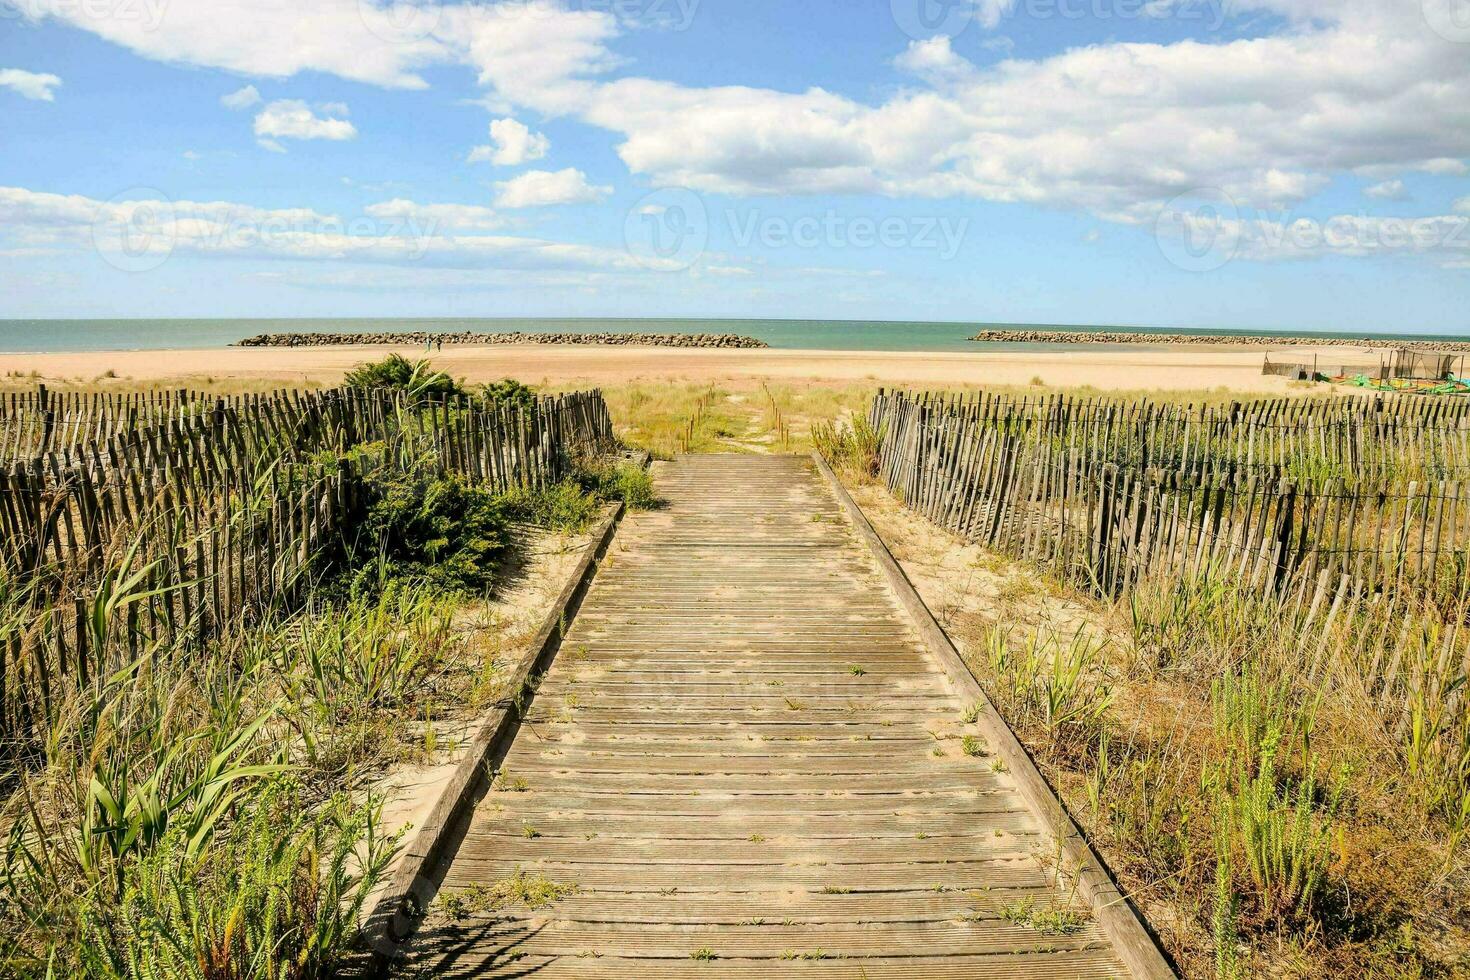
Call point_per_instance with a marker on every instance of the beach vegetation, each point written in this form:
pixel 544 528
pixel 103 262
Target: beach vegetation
pixel 397 373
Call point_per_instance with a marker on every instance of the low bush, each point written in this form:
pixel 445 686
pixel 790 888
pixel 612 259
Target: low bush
pixel 508 391
pixel 424 526
pixel 631 484
pixel 397 373
pixel 564 507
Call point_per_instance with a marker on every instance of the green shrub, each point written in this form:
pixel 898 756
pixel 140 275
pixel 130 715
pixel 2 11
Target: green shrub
pixel 396 373
pixel 426 527
pixel 631 484
pixel 508 391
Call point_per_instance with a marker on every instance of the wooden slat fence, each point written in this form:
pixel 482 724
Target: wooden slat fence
pixel 1108 492
pixel 225 504
pixel 1370 572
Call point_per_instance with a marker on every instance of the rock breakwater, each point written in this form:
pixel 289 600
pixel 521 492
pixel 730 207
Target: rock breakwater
pixel 422 338
pixel 1216 340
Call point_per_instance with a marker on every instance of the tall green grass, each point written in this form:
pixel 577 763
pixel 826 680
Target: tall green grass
pixel 190 817
pixel 1284 788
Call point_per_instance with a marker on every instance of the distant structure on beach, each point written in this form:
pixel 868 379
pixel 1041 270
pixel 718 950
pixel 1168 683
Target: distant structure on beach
pixel 1033 336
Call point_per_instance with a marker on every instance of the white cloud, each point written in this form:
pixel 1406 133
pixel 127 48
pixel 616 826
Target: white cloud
pixel 380 43
pixel 511 144
pixel 294 119
pixel 1462 206
pixel 538 188
pixel 393 233
pixel 462 216
pixel 31 85
pixel 532 52
pixel 241 98
pixel 1388 190
pixel 1116 129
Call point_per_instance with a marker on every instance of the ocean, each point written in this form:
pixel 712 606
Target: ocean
pixel 48 336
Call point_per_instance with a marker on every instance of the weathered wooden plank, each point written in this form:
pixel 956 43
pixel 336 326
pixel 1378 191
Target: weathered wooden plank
pixel 703 754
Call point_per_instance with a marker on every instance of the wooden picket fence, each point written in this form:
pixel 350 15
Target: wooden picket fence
pixel 1276 495
pixel 221 506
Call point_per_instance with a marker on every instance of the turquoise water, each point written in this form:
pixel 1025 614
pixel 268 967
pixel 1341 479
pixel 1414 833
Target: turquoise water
pixel 34 336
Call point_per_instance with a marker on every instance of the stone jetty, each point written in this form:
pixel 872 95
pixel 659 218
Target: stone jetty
pixel 421 338
pixel 1028 336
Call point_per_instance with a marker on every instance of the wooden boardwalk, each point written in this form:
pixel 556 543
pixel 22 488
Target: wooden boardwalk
pixel 745 763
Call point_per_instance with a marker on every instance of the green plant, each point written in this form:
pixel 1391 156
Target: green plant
pixel 626 482
pixel 1285 842
pixel 396 373
pixel 279 895
pixel 534 891
pixel 852 449
pixel 1222 921
pixel 1053 920
pixel 357 662
pixel 125 817
pixel 425 527
pixel 1060 684
pixel 508 391
pixel 564 507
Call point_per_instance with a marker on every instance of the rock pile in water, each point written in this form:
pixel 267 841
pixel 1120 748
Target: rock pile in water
pixel 1220 340
pixel 421 338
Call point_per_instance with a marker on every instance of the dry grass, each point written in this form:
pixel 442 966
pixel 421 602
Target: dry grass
pixel 755 417
pixel 1267 823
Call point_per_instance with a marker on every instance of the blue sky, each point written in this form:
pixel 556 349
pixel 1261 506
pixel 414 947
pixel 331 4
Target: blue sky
pixel 1297 164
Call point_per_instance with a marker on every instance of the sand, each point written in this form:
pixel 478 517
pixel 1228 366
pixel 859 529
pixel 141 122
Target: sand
pixel 1162 369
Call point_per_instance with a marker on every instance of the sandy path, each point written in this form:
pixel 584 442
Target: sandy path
pixel 1178 368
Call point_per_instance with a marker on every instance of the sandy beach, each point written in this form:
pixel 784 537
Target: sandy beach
pixel 1109 369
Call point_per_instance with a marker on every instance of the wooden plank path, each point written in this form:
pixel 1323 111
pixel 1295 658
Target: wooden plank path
pixel 743 763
